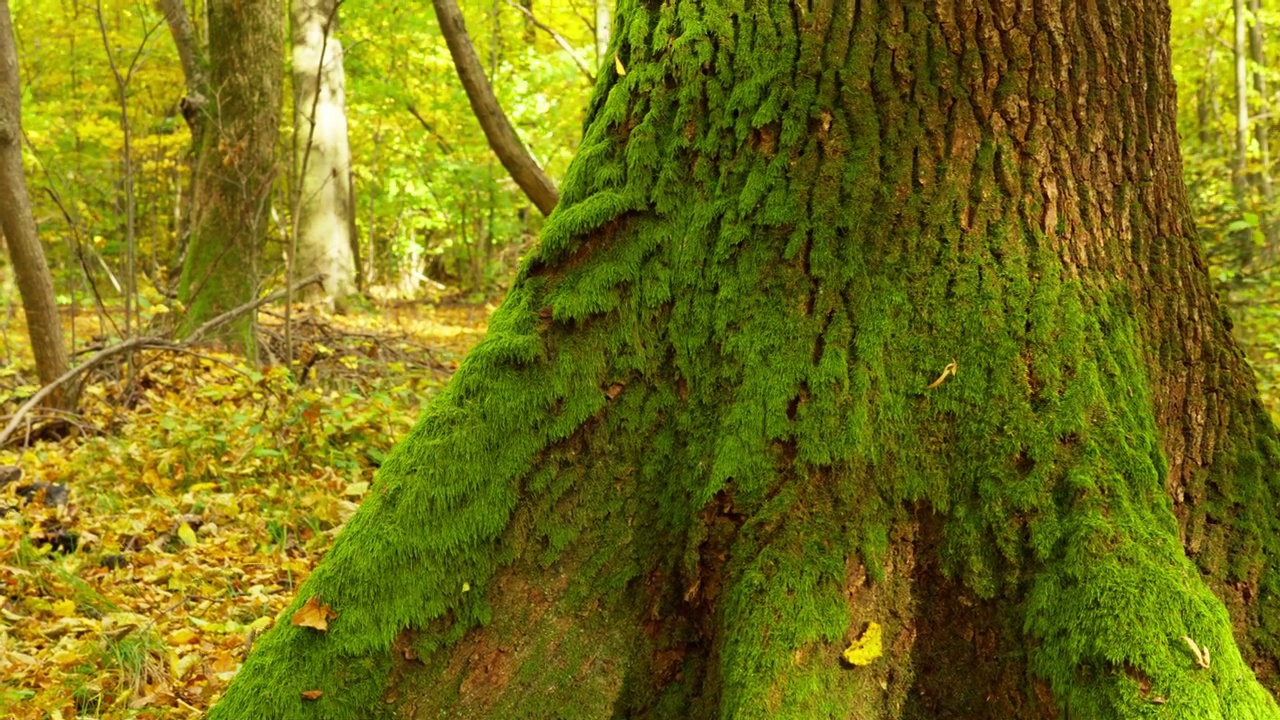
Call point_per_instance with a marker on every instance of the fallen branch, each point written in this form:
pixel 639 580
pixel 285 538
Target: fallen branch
pixel 140 343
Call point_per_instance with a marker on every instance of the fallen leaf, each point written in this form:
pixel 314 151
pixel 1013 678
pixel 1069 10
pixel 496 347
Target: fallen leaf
pixel 948 371
pixel 1201 653
pixel 617 65
pixel 312 694
pixel 64 608
pixel 314 615
pixel 187 535
pixel 182 636
pixel 866 648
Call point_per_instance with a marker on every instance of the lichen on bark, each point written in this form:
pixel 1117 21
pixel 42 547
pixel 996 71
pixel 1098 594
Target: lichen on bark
pixel 709 437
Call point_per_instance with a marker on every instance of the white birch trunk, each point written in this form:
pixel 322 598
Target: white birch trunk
pixel 324 207
pixel 604 27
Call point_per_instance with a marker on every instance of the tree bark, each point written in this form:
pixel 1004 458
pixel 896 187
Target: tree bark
pixel 1241 177
pixel 322 152
pixel 869 369
pixel 604 23
pixel 191 57
pixel 1261 126
pixel 35 283
pixel 502 137
pixel 236 165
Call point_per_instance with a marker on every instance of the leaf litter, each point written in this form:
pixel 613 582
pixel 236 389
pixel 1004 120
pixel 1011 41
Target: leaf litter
pixel 187 507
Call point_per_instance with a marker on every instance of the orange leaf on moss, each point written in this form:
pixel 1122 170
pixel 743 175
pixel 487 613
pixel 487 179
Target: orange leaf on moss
pixel 314 614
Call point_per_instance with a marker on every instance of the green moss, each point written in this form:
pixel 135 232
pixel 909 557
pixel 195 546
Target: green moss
pixel 709 397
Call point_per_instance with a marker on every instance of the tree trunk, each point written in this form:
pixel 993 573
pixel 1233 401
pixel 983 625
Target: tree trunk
pixel 1261 125
pixel 35 283
pixel 604 21
pixel 1240 176
pixel 860 327
pixel 236 165
pixel 502 137
pixel 322 153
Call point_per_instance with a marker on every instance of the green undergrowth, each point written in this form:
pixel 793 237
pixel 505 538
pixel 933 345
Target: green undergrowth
pixel 725 370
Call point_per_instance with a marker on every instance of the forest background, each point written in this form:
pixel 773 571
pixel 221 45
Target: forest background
pixel 155 531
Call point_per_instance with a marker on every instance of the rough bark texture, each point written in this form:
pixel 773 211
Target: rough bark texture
pixel 512 153
pixel 236 165
pixel 35 284
pixel 322 153
pixel 710 439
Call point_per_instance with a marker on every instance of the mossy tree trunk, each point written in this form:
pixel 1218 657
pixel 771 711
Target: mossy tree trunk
pixel 18 226
pixel 852 312
pixel 236 164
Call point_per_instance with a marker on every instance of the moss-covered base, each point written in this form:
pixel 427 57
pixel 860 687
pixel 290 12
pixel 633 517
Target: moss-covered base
pixel 834 326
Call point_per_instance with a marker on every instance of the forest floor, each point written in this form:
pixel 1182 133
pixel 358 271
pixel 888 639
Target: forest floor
pixel 141 555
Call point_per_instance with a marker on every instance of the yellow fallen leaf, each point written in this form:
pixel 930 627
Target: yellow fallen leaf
pixel 356 489
pixel 314 615
pixel 187 535
pixel 180 666
pixel 866 648
pixel 66 657
pixel 182 636
pixel 64 608
pixel 617 65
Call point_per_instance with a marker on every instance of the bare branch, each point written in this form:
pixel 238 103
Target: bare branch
pixel 564 44
pixel 140 343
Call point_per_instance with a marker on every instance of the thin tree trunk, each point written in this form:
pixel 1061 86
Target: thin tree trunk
pixel 322 154
pixel 869 370
pixel 1261 125
pixel 604 25
pixel 192 106
pixel 236 165
pixel 1240 176
pixel 1206 94
pixel 502 137
pixel 530 24
pixel 30 269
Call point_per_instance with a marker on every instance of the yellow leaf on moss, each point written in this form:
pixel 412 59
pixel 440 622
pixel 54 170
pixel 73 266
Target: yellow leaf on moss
pixel 866 648
pixel 314 615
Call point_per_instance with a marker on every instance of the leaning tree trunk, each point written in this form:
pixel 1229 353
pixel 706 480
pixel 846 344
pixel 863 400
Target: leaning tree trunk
pixel 35 284
pixel 866 326
pixel 322 153
pixel 504 142
pixel 236 164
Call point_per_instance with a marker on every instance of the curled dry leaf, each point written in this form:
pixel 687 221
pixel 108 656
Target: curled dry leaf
pixel 948 371
pixel 314 615
pixel 1201 654
pixel 312 694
